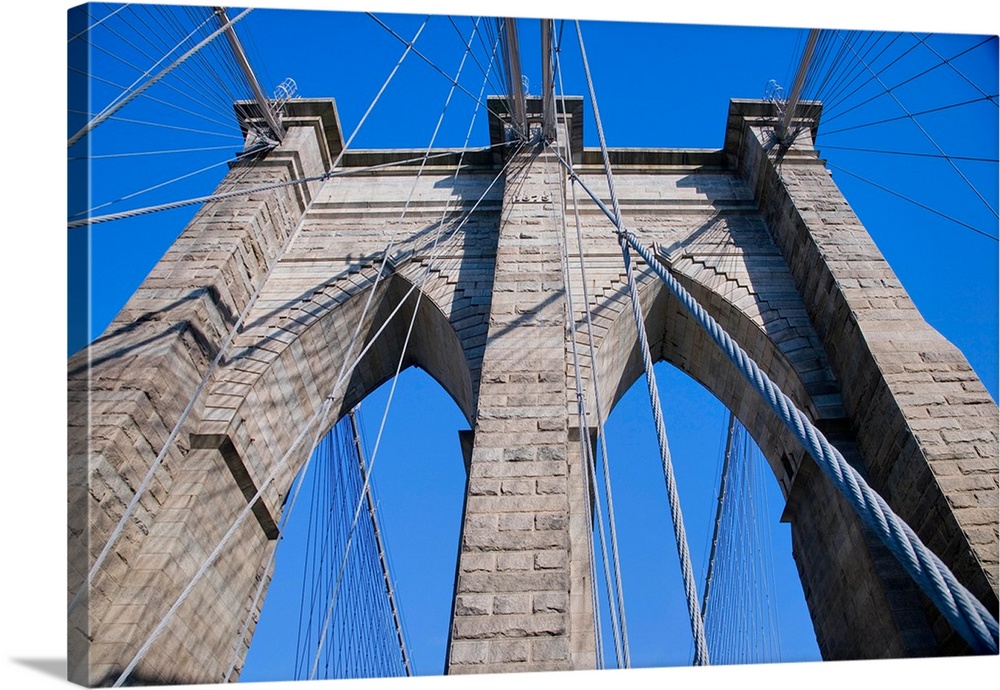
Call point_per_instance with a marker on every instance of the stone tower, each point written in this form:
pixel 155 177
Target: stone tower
pixel 761 236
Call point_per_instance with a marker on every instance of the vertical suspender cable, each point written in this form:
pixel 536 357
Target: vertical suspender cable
pixel 618 605
pixel 590 468
pixel 383 561
pixel 680 536
pixel 718 514
pixel 960 607
pixel 687 572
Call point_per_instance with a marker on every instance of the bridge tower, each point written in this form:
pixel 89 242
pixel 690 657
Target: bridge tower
pixel 759 234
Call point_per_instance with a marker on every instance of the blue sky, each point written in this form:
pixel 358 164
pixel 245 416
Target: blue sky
pixel 658 87
pixel 684 89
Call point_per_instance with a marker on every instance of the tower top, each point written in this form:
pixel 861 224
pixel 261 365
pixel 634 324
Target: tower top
pixel 568 109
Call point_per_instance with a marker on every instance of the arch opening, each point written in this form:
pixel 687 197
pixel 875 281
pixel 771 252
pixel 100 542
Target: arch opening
pixel 658 623
pixel 418 479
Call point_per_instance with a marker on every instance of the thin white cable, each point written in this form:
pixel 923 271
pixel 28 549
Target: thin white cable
pixel 599 409
pixel 97 23
pixel 399 364
pixel 133 503
pixel 318 416
pixel 124 100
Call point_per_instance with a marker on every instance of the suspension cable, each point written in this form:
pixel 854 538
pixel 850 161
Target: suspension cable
pixel 599 407
pixel 683 552
pixel 147 480
pixel 318 417
pixel 964 612
pixel 119 104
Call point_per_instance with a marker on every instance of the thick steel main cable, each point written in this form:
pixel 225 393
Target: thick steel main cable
pixel 964 612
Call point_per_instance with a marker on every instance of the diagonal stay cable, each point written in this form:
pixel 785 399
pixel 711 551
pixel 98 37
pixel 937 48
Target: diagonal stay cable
pixel 203 383
pixel 967 615
pixel 903 117
pixel 226 114
pixel 974 159
pixel 163 125
pixel 949 61
pixel 835 95
pixel 153 99
pixel 902 83
pixel 315 421
pixel 431 63
pixel 221 196
pixel 161 152
pixel 97 23
pixel 124 100
pixel 930 139
pixel 482 70
pixel 153 188
pixel 192 84
pixel 914 202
